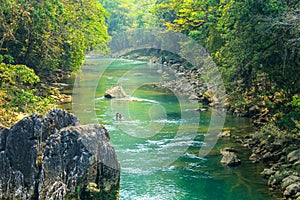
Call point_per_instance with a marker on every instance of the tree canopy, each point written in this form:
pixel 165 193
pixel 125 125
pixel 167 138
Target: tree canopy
pixel 47 35
pixel 255 44
pixel 124 15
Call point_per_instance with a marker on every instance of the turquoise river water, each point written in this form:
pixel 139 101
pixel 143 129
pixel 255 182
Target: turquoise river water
pixel 157 142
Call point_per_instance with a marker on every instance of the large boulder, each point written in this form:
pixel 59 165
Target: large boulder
pixel 289 180
pixel 294 156
pixel 115 91
pixel 54 157
pixel 230 157
pixel 292 190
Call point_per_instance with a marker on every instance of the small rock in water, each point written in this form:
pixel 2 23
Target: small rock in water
pixel 115 91
pixel 230 157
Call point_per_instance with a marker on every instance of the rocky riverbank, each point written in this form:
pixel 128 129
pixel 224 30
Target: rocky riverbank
pixel 277 149
pixel 189 80
pixel 280 153
pixel 54 157
pixel 186 80
pixel 56 83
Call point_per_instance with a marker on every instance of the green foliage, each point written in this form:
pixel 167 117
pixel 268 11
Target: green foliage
pixel 41 37
pixel 18 93
pixel 195 18
pixel 296 102
pixel 254 43
pixel 17 74
pixel 128 14
pixel 46 35
pixel 120 18
pixel 291 121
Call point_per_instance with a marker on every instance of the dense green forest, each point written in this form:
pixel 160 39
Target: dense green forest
pixel 38 39
pixel 254 43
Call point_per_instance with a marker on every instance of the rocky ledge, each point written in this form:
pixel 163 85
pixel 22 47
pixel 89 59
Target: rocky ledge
pixel 54 157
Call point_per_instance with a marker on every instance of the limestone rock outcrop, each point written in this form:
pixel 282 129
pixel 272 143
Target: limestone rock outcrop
pixel 54 157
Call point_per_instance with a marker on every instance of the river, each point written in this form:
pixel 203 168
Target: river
pixel 158 143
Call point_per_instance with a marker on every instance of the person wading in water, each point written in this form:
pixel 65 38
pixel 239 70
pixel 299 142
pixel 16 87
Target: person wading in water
pixel 118 117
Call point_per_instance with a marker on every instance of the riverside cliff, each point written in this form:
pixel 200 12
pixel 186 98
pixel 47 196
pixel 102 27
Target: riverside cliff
pixel 54 157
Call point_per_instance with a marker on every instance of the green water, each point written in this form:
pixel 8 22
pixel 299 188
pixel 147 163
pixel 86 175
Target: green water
pixel 159 138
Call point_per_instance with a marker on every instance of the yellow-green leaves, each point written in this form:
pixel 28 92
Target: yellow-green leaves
pixel 128 14
pixel 18 93
pixel 17 74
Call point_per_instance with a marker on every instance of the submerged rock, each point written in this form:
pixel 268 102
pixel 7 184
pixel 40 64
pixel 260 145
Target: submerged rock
pixel 54 157
pixel 115 91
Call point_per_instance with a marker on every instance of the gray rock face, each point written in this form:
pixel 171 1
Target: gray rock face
pixel 268 172
pixel 280 152
pixel 289 180
pixel 53 157
pixel 3 136
pixel 115 92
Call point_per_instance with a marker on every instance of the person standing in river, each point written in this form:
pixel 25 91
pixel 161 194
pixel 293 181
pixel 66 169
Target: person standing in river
pixel 118 117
